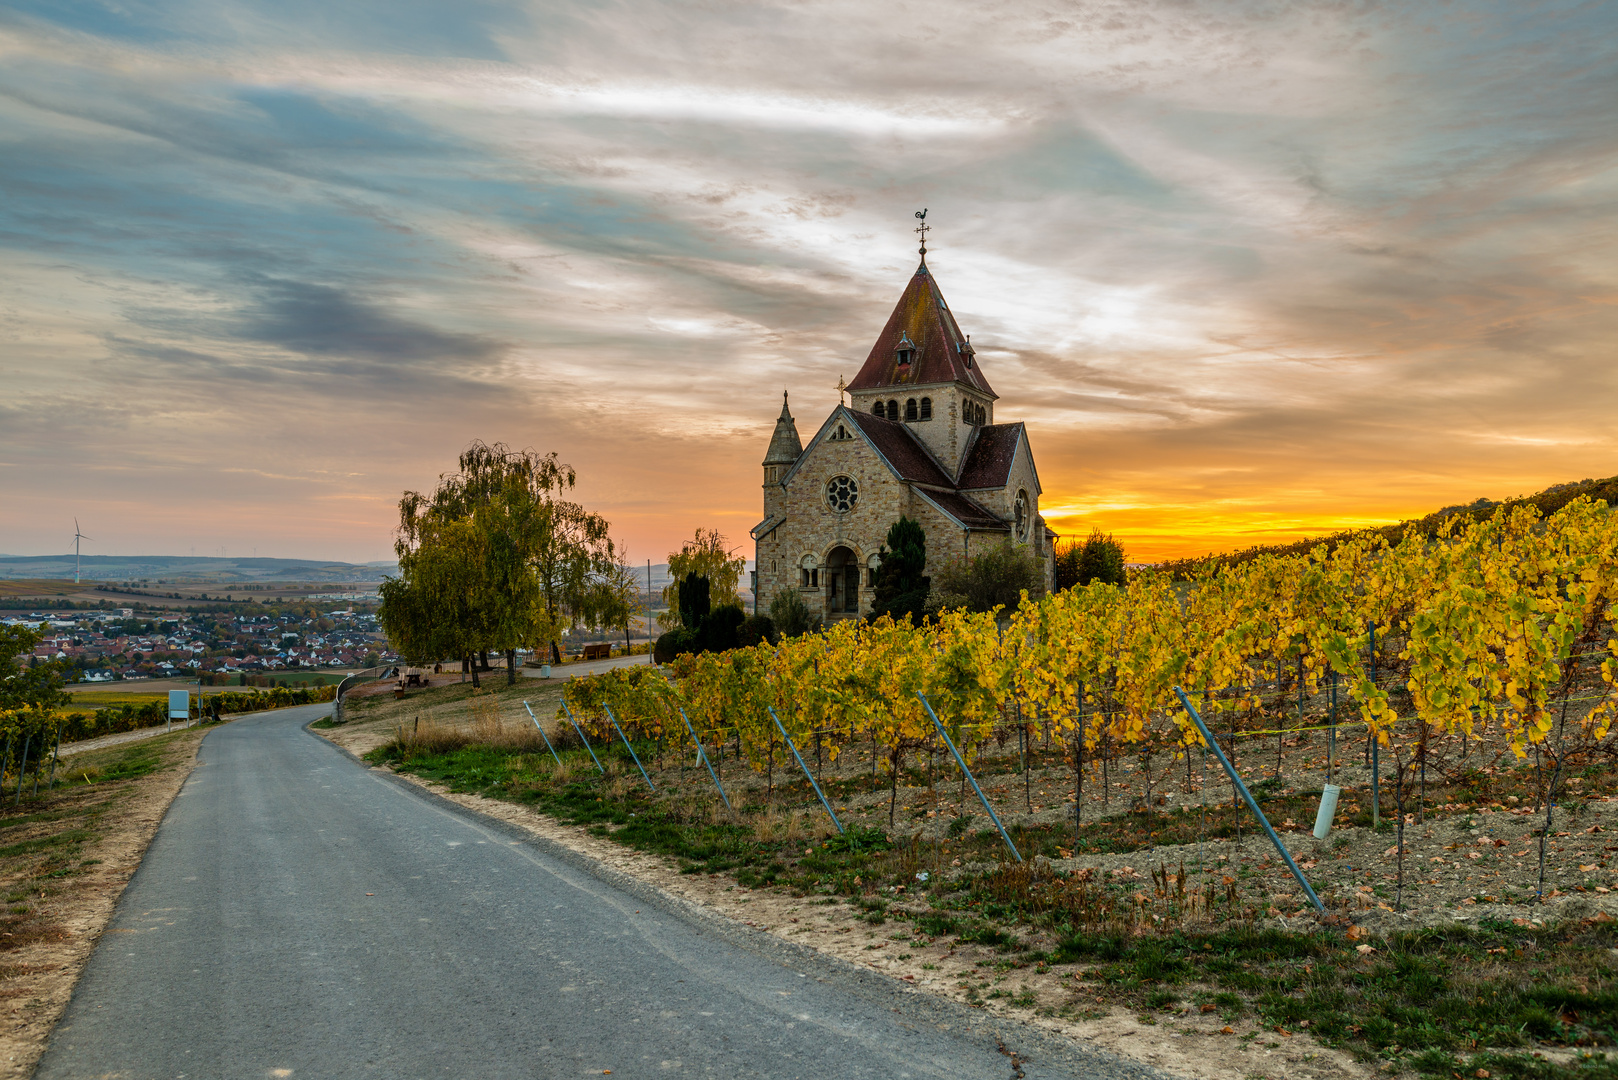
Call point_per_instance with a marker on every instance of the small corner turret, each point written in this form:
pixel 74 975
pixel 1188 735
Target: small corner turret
pixel 785 446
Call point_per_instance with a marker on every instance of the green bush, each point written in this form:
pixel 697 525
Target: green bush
pixel 756 630
pixel 996 578
pixel 676 642
pixel 719 627
pixel 791 615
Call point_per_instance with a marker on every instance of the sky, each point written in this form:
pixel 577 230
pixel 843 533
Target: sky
pixel 1249 271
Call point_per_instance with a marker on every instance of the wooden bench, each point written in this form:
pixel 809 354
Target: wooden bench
pixel 601 651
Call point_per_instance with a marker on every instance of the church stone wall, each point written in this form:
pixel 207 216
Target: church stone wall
pixel 946 434
pixel 813 528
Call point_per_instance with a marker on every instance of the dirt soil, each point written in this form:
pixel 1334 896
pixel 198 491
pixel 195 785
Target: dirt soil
pixel 1191 1043
pixel 65 857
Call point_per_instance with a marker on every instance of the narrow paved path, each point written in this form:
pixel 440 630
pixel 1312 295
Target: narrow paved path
pixel 300 915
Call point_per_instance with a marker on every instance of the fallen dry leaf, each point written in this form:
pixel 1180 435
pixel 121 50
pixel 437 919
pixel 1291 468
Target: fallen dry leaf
pixel 1365 950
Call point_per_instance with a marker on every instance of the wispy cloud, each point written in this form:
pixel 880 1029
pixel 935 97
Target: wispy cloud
pixel 1249 270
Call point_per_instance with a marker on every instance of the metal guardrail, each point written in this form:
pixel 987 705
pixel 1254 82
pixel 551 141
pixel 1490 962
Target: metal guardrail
pixel 348 683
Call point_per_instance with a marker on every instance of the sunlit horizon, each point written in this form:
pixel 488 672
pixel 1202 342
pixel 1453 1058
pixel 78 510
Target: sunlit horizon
pixel 1248 276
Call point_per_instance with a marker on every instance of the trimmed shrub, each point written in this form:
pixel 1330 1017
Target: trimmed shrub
pixel 719 629
pixel 676 642
pixel 756 630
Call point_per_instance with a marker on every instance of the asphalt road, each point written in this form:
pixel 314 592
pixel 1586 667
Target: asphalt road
pixel 300 915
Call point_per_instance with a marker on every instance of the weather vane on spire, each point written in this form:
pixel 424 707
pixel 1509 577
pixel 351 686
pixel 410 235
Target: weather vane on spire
pixel 922 230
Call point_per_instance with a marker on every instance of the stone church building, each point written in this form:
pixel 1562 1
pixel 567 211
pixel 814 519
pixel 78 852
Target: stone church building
pixel 918 439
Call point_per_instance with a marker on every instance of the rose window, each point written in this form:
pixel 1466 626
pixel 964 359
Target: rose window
pixel 841 493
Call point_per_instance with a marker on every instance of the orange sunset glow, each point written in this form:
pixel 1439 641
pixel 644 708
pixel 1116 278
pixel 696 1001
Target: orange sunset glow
pixel 1249 276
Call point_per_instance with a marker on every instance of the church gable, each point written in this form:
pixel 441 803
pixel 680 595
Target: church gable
pixel 892 444
pixel 994 454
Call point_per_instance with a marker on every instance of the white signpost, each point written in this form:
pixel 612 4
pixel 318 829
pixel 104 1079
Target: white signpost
pixel 179 706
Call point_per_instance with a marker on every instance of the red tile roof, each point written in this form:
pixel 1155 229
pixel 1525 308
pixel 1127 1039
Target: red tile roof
pixel 988 461
pixel 942 352
pixel 902 449
pixel 965 510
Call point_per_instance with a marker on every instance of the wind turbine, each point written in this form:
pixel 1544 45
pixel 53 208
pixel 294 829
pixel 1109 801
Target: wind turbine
pixel 77 536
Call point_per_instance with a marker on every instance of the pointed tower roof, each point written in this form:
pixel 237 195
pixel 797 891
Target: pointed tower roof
pixel 785 446
pixel 923 331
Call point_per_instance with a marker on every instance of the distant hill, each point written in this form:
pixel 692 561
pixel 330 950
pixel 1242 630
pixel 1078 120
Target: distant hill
pixel 181 569
pixel 661 578
pixel 1548 501
pixel 193 568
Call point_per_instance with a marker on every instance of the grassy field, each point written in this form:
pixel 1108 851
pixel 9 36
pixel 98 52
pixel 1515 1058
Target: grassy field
pixel 300 677
pixel 1436 1000
pixel 42 587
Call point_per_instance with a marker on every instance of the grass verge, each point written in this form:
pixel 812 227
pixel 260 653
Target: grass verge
pixel 1500 999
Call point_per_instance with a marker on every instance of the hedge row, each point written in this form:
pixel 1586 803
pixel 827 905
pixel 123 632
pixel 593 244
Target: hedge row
pixel 77 726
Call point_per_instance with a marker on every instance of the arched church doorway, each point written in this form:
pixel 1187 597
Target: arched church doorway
pixel 842 582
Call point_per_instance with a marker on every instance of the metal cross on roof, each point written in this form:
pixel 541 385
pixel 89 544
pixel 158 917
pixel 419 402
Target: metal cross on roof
pixel 842 388
pixel 922 230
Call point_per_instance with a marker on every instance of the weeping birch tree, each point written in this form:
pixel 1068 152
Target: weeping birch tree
pixel 495 559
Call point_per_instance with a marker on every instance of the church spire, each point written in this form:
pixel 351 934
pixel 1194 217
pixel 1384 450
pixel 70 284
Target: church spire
pixel 921 345
pixel 785 445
